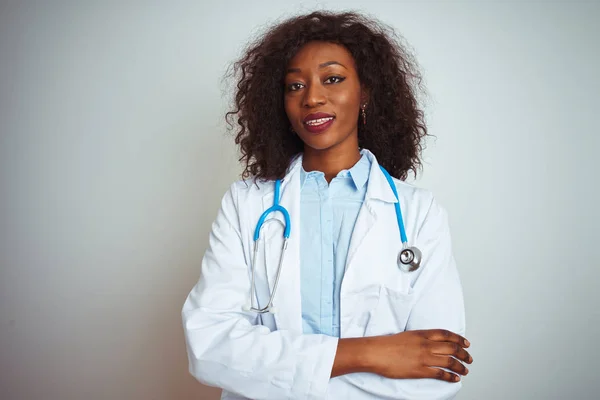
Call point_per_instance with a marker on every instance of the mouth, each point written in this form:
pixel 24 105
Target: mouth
pixel 318 122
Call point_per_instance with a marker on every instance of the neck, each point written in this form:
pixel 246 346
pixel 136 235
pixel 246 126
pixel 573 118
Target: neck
pixel 330 161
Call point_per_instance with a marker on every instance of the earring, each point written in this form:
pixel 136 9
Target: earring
pixel 364 114
pixel 292 130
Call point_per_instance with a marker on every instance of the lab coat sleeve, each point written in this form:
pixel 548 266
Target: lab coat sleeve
pixel 226 348
pixel 438 304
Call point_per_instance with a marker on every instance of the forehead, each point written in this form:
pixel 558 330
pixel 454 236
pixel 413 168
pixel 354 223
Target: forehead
pixel 314 53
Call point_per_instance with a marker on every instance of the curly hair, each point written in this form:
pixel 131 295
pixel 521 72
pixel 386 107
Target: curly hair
pixel 395 125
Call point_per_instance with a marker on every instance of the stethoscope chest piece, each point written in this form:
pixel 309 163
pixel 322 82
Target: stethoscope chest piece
pixel 409 259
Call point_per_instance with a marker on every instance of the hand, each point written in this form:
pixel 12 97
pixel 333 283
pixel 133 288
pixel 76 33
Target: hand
pixel 420 354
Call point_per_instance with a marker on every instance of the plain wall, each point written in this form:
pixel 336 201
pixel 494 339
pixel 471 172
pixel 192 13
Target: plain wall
pixel 114 157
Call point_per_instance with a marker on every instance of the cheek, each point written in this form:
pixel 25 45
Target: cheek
pixel 348 104
pixel 347 98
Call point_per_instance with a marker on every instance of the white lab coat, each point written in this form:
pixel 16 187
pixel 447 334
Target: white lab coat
pixel 269 357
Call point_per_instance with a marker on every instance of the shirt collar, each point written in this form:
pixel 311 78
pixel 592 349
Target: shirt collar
pixel 304 175
pixel 359 172
pixel 378 188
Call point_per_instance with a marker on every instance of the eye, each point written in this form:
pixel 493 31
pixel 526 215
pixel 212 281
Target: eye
pixel 292 87
pixel 335 79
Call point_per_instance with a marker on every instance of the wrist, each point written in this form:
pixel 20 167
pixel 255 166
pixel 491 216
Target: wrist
pixel 355 355
pixel 368 358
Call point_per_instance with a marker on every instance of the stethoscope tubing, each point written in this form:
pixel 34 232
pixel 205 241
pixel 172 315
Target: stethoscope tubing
pixel 415 254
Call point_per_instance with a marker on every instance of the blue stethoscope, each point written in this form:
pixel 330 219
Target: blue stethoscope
pixel 409 257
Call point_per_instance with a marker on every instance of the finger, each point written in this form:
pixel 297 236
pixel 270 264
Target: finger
pixel 448 362
pixel 440 374
pixel 443 335
pixel 451 349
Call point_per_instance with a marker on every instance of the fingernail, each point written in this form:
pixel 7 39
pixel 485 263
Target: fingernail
pixel 466 371
pixel 467 342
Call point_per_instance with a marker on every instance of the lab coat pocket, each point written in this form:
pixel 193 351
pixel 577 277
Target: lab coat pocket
pixel 391 313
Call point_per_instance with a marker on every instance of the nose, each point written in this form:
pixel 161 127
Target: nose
pixel 314 96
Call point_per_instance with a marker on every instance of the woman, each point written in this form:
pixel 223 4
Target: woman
pixel 323 100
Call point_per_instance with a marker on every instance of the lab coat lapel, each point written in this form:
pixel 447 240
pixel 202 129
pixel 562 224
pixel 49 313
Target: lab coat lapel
pixel 365 221
pixel 378 190
pixel 287 297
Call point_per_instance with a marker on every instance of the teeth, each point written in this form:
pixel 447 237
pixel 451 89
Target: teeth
pixel 319 121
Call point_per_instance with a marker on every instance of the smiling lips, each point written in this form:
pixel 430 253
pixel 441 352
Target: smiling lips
pixel 318 122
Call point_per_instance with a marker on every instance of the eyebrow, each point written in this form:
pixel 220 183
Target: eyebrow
pixel 325 64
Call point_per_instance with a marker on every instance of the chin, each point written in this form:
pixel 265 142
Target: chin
pixel 321 141
pixel 316 144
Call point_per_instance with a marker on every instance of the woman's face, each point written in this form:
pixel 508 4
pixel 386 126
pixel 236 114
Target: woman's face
pixel 323 96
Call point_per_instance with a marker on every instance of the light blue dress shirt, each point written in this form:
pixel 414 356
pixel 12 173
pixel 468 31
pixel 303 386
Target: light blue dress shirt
pixel 328 215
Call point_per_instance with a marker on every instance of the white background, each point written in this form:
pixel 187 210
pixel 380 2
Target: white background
pixel 114 158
